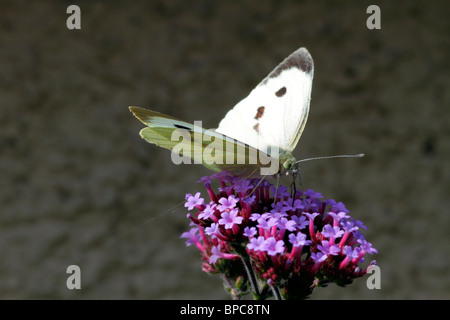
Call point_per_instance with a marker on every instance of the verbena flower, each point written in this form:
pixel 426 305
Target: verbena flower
pixel 289 245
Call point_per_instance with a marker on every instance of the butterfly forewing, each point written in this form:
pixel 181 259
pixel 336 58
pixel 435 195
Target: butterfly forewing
pixel 275 112
pixel 201 146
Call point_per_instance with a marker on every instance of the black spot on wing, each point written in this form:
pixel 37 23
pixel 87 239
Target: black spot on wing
pixel 181 127
pixel 281 92
pixel 259 113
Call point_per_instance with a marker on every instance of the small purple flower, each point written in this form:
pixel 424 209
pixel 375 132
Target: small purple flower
pixel 230 218
pixel 338 216
pixel 348 225
pixel 318 257
pixel 216 254
pixel 205 180
pixel 249 200
pixel 338 207
pixel 358 235
pixel 284 223
pixel 350 252
pixel 287 205
pixel 273 246
pixel 328 249
pixel 279 207
pixel 192 201
pixel 281 192
pixel 311 216
pixel 301 221
pixel 266 224
pixel 192 236
pixel 243 186
pixel 332 232
pixel 223 175
pixel 228 189
pixel 257 216
pixel 360 224
pixel 299 239
pixel 212 230
pixel 278 215
pixel 257 244
pixel 208 211
pixel 249 232
pixel 229 203
pixel 367 247
pixel 298 204
pixel 312 194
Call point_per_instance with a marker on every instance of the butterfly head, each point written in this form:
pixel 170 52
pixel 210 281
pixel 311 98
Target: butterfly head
pixel 289 165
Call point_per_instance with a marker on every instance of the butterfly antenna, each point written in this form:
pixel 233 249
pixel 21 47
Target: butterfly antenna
pixel 360 155
pixel 149 220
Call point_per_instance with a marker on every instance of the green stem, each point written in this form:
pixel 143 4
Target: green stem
pixel 276 292
pixel 229 285
pixel 251 277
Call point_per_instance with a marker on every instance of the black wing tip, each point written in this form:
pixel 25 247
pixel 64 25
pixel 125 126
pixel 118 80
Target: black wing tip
pixel 301 59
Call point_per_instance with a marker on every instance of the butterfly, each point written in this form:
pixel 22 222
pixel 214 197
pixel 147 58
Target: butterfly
pixel 256 137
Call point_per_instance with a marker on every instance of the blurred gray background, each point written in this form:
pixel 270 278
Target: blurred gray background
pixel 79 186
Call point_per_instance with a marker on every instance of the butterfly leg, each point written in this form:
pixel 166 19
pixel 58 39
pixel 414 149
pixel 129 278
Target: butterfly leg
pixel 293 186
pixel 293 190
pixel 254 189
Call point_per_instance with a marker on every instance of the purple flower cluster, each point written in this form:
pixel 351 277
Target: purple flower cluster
pixel 293 244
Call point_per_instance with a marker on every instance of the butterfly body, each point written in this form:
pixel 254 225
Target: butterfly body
pixel 257 136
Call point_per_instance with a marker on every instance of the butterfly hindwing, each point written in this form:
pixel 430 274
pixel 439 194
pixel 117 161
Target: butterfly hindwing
pixel 215 151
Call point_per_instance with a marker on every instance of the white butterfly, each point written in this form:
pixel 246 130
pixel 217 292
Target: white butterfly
pixel 268 122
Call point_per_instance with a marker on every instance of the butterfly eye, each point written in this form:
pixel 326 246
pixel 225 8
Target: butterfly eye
pixel 281 92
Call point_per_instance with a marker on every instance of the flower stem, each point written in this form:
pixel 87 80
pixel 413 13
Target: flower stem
pixel 276 292
pixel 251 277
